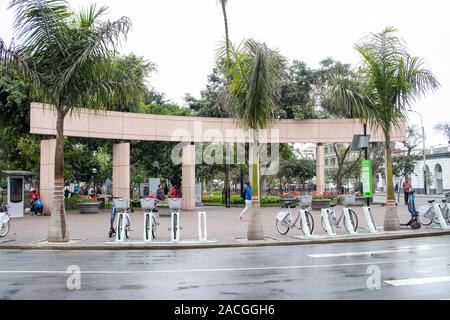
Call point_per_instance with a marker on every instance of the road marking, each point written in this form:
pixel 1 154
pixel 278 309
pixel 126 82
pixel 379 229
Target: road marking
pixel 417 281
pixel 363 253
pixel 221 269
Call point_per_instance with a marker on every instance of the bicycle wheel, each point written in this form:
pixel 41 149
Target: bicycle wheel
pixel 175 228
pixel 127 228
pixel 436 219
pixel 119 227
pixel 154 227
pixel 322 222
pixel 353 219
pixel 426 218
pixel 309 222
pixel 4 229
pixel 282 226
pixel 147 226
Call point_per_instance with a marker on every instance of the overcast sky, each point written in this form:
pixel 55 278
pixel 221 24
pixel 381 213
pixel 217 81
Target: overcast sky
pixel 182 36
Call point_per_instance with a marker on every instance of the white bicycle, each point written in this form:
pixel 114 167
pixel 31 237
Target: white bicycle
pixel 5 220
pixel 122 207
pixel 149 204
pixel 284 221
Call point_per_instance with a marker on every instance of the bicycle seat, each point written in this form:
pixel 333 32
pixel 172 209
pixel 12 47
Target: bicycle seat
pixel 332 205
pixel 444 200
pixel 431 201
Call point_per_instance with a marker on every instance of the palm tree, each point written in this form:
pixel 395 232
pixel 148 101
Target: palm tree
pixel 380 93
pixel 443 128
pixel 69 57
pixel 254 73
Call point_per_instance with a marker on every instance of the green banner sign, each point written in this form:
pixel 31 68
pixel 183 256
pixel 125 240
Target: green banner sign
pixel 366 178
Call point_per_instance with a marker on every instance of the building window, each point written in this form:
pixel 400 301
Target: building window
pixel 326 162
pixel 333 162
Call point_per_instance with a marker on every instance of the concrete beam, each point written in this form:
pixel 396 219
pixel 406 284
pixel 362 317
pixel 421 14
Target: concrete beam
pixel 147 127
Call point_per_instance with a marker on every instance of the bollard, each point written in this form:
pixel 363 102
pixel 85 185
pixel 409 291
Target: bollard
pixel 148 227
pixel 349 221
pixel 175 231
pixel 121 223
pixel 202 232
pixel 326 216
pixel 438 212
pixel 306 230
pixel 370 220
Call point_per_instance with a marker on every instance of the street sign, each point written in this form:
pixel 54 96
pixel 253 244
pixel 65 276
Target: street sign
pixel 359 142
pixel 366 178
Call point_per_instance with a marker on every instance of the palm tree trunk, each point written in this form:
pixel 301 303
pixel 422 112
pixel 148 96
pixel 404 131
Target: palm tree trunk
pixel 391 218
pixel 227 185
pixel 225 19
pixel 255 227
pixel 57 231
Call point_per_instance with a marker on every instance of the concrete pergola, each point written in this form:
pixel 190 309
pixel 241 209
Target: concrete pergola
pixel 126 126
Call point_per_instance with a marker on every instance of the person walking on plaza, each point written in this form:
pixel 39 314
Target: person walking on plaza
pixel 406 186
pixel 248 201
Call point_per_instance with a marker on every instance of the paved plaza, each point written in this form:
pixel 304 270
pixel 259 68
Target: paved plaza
pixel 223 229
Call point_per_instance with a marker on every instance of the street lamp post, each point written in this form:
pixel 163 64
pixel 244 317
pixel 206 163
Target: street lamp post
pixel 156 166
pixel 423 151
pixel 94 172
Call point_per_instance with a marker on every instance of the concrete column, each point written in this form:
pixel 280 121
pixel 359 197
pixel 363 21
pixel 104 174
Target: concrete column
pixel 320 168
pixel 47 174
pixel 188 177
pixel 121 170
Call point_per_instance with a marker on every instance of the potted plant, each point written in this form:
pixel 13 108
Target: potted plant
pixel 321 200
pixel 88 205
pixel 288 198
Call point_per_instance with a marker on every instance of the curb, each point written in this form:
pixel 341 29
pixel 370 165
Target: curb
pixel 330 240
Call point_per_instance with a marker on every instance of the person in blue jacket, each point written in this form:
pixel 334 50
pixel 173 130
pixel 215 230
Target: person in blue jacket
pixel 248 201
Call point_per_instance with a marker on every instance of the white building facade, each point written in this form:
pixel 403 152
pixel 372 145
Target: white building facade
pixel 438 172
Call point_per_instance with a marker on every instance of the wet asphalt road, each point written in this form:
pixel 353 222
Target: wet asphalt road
pixel 335 271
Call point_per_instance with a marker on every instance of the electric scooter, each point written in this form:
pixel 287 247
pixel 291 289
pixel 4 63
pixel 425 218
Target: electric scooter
pixel 414 222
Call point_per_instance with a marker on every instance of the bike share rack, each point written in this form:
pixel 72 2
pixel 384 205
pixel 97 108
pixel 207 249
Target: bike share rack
pixel 351 229
pixel 327 218
pixel 148 204
pixel 175 205
pixel 306 230
pixel 202 229
pixel 438 212
pixel 305 202
pixel 370 220
pixel 121 206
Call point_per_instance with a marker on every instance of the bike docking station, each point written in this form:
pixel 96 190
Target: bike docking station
pixel 121 206
pixel 175 205
pixel 371 225
pixel 149 204
pixel 438 212
pixel 328 221
pixel 305 202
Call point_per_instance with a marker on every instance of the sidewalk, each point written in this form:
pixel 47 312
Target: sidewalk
pixel 224 230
